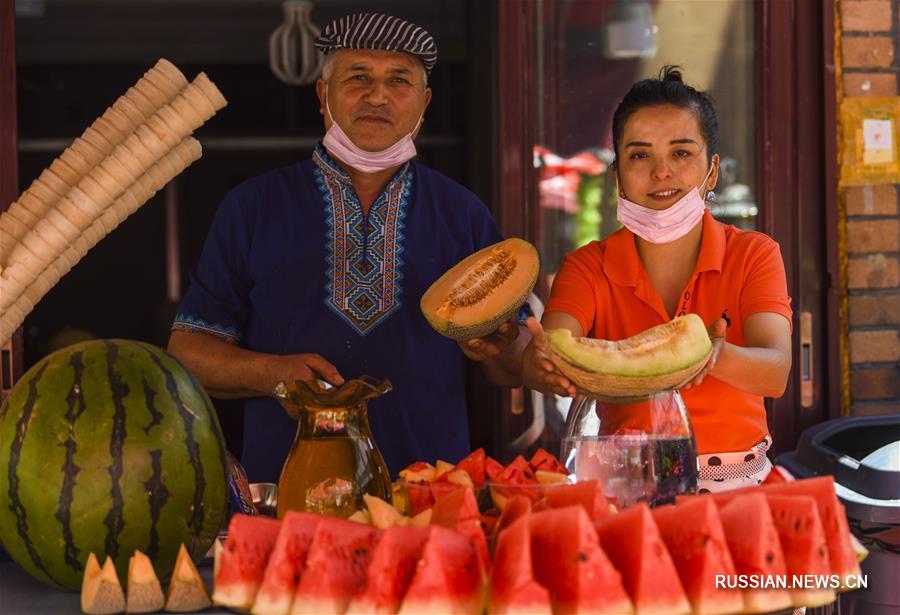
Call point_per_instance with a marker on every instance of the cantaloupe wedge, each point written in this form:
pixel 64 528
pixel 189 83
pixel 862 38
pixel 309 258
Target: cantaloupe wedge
pixel 460 477
pixel 217 556
pixel 186 589
pixel 361 516
pixel 422 519
pixel 383 514
pixel 441 467
pixel 144 593
pixel 101 592
pixel 551 478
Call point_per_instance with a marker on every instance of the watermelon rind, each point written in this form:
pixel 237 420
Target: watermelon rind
pixel 108 446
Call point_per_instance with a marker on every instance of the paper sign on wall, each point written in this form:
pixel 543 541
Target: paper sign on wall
pixel 870 152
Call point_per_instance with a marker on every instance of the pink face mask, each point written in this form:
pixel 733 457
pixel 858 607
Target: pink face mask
pixel 666 225
pixel 339 144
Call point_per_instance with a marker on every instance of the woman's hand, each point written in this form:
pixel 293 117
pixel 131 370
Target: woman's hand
pixel 491 346
pixel 717 336
pixel 538 372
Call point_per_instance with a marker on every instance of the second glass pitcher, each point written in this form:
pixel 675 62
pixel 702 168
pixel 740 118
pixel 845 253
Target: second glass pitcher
pixel 641 451
pixel 334 459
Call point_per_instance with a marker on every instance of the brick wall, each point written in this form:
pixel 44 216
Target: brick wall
pixel 870 66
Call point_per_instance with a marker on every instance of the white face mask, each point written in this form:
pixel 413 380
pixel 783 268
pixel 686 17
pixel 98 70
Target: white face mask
pixel 342 147
pixel 665 225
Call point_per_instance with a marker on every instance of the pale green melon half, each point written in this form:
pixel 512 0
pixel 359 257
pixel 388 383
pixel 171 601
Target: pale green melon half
pixel 660 358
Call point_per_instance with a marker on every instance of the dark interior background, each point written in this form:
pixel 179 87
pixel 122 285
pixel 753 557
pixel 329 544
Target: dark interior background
pixel 75 57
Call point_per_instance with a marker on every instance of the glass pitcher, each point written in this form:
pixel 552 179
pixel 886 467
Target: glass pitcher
pixel 333 460
pixel 640 451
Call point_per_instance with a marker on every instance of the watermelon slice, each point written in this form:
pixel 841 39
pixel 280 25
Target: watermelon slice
pixel 459 511
pixel 695 540
pixel 243 559
pixel 755 549
pixel 473 464
pixel 544 461
pixel 448 579
pixel 492 468
pixel 286 563
pixel 585 493
pixel 516 507
pixel 335 566
pixel 391 570
pixel 419 496
pixel 513 588
pixel 834 521
pixel 633 544
pixel 802 539
pixel 569 562
pixel 841 554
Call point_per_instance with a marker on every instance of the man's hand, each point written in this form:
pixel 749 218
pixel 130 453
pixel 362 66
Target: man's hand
pixel 491 346
pixel 538 372
pixel 717 335
pixel 307 367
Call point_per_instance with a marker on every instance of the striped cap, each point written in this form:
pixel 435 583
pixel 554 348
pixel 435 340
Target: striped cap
pixel 378 31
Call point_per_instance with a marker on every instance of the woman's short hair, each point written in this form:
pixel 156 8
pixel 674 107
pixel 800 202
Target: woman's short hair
pixel 669 89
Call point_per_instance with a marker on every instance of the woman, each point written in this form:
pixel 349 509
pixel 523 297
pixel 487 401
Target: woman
pixel 671 258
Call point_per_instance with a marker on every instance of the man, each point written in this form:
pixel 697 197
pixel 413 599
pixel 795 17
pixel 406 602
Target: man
pixel 316 270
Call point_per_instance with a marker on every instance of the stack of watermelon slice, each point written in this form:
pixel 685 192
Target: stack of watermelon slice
pixel 563 553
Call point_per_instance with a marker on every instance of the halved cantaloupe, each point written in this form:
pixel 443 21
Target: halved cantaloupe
pixel 661 358
pixel 482 291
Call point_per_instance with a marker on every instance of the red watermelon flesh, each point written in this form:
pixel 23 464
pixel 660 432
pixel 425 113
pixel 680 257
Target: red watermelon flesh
pixel 492 468
pixel 420 496
pixel 442 488
pixel 542 460
pixel 569 562
pixel 473 464
pixel 513 588
pixel 243 560
pixel 516 506
pixel 335 566
pixel 585 493
pixel 517 479
pixel 633 544
pixel 834 521
pixel 459 511
pixel 755 549
pixel 803 542
pixel 695 541
pixel 286 563
pixel 391 570
pixel 448 578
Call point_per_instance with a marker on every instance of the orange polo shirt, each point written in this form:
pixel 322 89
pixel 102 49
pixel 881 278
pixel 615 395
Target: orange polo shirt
pixel 738 273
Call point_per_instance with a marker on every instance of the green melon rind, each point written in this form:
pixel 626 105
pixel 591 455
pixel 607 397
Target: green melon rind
pixel 57 496
pixel 450 329
pixel 684 351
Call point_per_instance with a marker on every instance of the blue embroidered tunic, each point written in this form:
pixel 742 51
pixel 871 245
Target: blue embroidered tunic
pixel 292 265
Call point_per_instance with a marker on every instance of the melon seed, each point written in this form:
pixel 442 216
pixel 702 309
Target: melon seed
pixel 483 280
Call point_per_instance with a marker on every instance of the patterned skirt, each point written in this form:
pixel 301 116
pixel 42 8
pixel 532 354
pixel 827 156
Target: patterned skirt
pixel 733 470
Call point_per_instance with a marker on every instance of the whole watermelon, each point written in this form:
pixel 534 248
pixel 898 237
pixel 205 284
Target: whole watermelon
pixel 108 446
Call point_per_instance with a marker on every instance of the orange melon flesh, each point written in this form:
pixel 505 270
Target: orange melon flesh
pixel 482 291
pixel 144 591
pixel 187 592
pixel 101 592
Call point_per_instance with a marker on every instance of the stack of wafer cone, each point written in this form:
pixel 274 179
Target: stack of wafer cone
pixel 129 153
